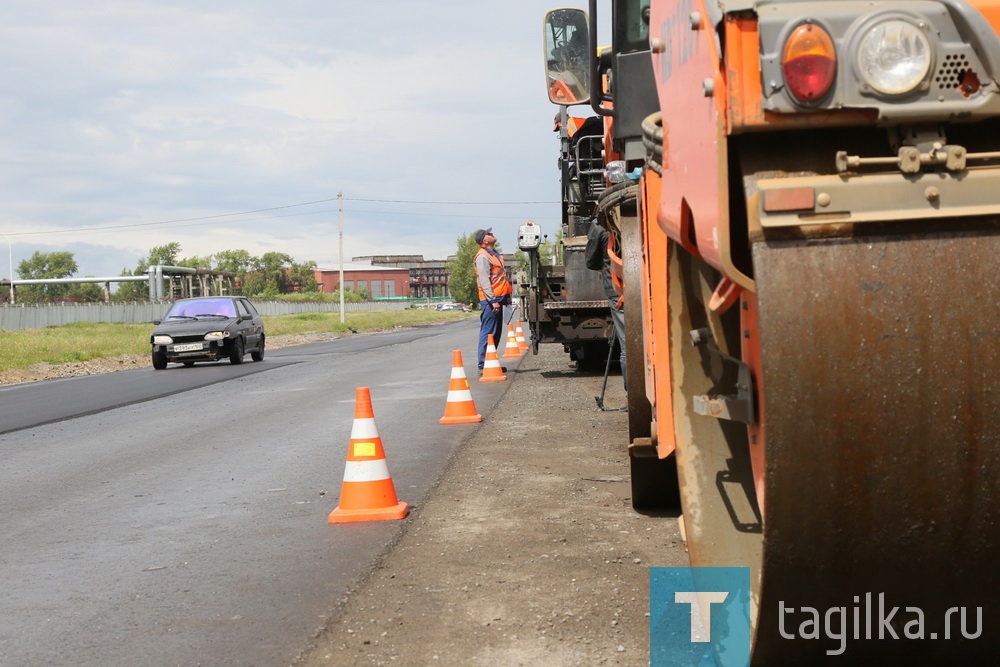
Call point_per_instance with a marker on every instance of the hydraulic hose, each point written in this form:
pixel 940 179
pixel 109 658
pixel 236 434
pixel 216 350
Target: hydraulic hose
pixel 614 197
pixel 652 139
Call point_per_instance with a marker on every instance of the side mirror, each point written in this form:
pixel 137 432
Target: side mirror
pixel 567 56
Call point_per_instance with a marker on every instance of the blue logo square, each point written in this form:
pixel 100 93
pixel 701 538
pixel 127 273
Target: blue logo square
pixel 699 616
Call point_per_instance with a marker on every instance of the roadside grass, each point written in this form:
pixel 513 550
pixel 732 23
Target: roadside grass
pixel 82 341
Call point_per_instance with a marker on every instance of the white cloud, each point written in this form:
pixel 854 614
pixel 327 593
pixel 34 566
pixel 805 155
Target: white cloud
pixel 118 113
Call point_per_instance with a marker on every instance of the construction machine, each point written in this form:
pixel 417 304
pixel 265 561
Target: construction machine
pixel 562 300
pixel 809 262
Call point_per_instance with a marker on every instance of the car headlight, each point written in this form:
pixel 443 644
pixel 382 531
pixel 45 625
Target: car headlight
pixel 894 57
pixel 216 335
pixel 162 340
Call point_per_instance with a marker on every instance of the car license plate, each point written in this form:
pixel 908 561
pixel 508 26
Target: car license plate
pixel 187 347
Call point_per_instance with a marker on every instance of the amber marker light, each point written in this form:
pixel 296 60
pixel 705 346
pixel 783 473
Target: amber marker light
pixel 809 63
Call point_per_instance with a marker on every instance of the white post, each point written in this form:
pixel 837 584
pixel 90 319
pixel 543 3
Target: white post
pixel 340 221
pixel 10 258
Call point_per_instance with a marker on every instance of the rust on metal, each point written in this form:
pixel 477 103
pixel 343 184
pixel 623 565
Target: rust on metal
pixel 882 370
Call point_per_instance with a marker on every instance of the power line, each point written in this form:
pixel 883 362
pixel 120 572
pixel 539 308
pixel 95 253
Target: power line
pixel 176 221
pixel 451 203
pixel 180 222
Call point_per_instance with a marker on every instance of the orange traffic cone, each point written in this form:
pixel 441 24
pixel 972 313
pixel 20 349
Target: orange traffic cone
pixel 492 371
pixel 522 344
pixel 367 493
pixel 511 351
pixel 460 408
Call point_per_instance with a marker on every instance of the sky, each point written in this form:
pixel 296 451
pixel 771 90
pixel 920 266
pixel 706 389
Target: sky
pixel 235 124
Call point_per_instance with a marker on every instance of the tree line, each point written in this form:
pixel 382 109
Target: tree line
pixel 265 276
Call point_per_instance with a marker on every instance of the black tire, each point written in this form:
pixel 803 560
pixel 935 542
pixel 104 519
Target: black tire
pixel 159 360
pixel 236 352
pixel 654 483
pixel 592 357
pixel 258 354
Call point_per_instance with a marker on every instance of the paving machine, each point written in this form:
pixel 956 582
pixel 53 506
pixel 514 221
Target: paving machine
pixel 809 270
pixel 563 301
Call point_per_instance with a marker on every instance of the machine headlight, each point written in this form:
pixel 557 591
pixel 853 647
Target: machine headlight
pixel 894 57
pixel 162 340
pixel 216 335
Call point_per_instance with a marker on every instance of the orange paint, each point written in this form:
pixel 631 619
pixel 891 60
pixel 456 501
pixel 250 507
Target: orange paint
pixel 656 323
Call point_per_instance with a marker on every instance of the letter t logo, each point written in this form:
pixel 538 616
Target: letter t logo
pixel 701 611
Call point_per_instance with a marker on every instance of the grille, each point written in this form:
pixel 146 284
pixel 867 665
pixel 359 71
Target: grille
pixel 952 71
pixel 189 339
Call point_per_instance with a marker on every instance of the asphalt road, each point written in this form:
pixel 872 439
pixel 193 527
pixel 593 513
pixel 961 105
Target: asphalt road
pixel 180 516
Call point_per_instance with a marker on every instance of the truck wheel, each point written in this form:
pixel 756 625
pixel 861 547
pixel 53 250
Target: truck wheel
pixel 592 357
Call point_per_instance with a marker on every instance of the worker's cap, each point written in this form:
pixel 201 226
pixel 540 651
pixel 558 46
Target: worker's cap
pixel 481 234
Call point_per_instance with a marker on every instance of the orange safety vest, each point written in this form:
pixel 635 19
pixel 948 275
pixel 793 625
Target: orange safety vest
pixel 498 275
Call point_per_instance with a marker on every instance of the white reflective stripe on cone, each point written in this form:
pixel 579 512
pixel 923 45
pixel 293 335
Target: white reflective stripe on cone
pixel 366 471
pixel 457 372
pixel 459 396
pixel 364 429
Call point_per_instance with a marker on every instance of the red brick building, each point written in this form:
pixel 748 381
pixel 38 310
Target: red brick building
pixel 428 278
pixel 375 280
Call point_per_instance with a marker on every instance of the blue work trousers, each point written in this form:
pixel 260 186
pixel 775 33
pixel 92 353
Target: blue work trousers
pixel 490 323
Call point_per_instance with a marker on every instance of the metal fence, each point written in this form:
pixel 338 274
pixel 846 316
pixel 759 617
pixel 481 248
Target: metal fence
pixel 51 315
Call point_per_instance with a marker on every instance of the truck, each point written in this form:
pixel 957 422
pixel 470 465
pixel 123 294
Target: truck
pixel 808 263
pixel 562 300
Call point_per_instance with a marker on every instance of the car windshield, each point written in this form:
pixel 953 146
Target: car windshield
pixel 201 308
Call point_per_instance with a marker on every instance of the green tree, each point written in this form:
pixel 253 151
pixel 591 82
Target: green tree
pixel 235 261
pixel 268 276
pixel 304 275
pixel 546 251
pixel 462 273
pixel 131 291
pixel 86 292
pixel 282 274
pixel 45 266
pixel 239 262
pixel 196 262
pixel 165 255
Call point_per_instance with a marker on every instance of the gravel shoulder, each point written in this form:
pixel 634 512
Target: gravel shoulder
pixel 527 552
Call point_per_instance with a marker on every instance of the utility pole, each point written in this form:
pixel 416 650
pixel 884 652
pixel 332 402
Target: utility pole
pixel 340 221
pixel 10 258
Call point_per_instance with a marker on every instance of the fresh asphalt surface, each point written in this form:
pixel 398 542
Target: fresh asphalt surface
pixel 34 404
pixel 180 516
